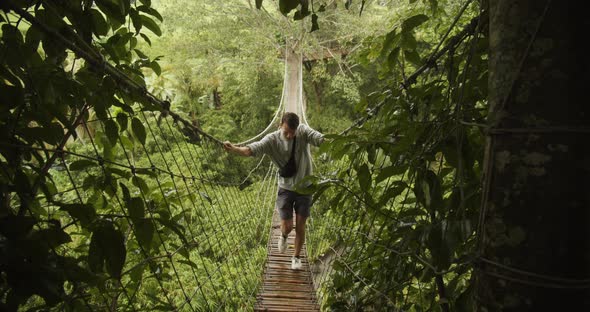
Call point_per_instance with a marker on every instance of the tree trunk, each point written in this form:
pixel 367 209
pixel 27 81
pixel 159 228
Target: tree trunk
pixel 535 235
pixel 216 98
pixel 317 85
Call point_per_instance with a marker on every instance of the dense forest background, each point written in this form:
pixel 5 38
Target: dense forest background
pixel 116 194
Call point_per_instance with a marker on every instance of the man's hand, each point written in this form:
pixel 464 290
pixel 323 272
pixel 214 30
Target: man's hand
pixel 240 150
pixel 228 146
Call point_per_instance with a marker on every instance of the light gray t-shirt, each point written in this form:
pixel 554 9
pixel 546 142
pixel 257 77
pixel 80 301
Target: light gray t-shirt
pixel 278 148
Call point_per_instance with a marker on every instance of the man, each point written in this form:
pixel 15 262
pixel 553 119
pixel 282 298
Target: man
pixel 290 142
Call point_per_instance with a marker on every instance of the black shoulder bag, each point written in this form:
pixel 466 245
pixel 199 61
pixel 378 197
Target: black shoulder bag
pixel 290 168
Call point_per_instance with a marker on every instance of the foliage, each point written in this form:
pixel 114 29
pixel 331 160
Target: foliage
pixel 413 171
pixel 108 203
pixel 237 51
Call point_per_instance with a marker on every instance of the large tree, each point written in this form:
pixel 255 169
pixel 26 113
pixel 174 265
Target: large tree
pixel 535 242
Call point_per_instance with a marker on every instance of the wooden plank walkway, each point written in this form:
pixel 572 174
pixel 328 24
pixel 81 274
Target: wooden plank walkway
pixel 284 289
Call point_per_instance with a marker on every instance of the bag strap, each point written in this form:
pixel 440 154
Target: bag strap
pixel 293 149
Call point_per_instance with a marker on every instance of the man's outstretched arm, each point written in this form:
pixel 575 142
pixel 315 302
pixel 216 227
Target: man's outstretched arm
pixel 314 137
pixel 240 150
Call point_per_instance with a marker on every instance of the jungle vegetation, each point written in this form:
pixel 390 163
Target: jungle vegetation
pixel 454 176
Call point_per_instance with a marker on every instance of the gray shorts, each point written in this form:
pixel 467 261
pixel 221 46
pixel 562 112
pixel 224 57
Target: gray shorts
pixel 289 200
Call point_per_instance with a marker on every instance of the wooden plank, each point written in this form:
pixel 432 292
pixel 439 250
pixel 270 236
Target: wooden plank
pixel 279 308
pixel 285 286
pixel 289 281
pixel 283 307
pixel 287 302
pixel 288 295
pixel 276 307
pixel 299 290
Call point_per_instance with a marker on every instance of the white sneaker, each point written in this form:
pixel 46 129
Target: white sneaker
pixel 296 263
pixel 282 244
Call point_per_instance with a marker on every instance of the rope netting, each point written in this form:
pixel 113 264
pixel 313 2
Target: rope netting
pixel 356 241
pixel 135 207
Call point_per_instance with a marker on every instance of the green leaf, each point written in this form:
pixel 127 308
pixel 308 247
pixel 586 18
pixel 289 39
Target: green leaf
pixel 10 97
pixel 144 232
pixel 12 35
pixel 141 54
pixel 126 194
pixel 258 4
pixel 339 147
pixel 151 25
pixel 107 247
pixel 408 41
pixel 175 227
pixel 100 26
pixel 147 39
pixel 286 6
pixel 127 143
pixel 314 23
pixel 52 236
pixel 392 58
pixel 112 131
pixel 136 20
pixel 113 12
pixel 190 263
pixel 413 57
pixel 318 193
pixel 122 120
pixel 389 172
pixel 371 154
pixel 132 43
pixel 347 4
pixel 138 130
pixel 33 38
pixel 433 5
pixel 205 196
pixel 51 134
pixel 362 7
pixel 85 213
pixel 81 164
pixel 391 40
pixel 298 16
pixel 428 190
pixel 393 191
pixel 441 253
pixel 23 184
pixel 120 172
pixel 411 213
pixel 115 251
pixel 140 183
pixel 150 11
pixel 156 67
pixel 146 171
pixel 364 176
pixel 413 22
pixel 136 208
pixel 136 273
pixel 308 185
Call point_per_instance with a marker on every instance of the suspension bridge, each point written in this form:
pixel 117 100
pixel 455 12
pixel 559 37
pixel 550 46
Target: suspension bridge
pixel 171 225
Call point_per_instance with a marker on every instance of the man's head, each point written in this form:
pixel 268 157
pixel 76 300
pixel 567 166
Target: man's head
pixel 289 124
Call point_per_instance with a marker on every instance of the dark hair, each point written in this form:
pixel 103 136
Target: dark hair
pixel 291 119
